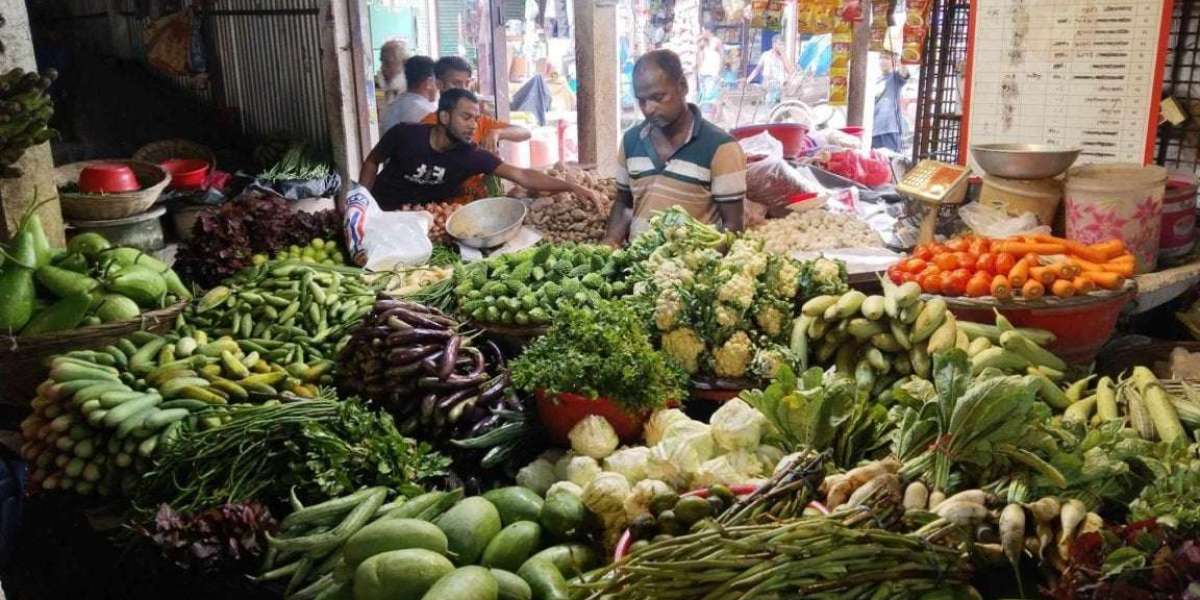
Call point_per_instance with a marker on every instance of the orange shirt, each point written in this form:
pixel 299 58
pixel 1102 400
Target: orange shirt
pixel 473 188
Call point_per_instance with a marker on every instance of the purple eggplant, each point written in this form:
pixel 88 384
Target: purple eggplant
pixel 478 363
pixel 494 387
pixel 454 382
pixel 412 336
pixel 403 356
pixel 449 357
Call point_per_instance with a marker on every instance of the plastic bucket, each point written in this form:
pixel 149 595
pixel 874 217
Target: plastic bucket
pixel 1178 233
pixel 1122 201
pixel 794 136
pixel 1019 196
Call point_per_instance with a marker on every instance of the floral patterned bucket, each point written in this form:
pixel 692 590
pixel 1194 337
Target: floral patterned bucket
pixel 1122 201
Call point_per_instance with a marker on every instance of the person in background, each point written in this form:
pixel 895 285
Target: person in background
pixel 428 163
pixel 390 78
pixel 453 72
pixel 709 70
pixel 775 68
pixel 674 157
pixel 418 100
pixel 889 126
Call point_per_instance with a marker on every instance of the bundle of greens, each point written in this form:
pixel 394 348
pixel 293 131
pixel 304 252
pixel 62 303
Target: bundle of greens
pixel 296 164
pixel 964 432
pixel 322 448
pixel 815 413
pixel 603 351
pixel 1171 499
pixel 226 537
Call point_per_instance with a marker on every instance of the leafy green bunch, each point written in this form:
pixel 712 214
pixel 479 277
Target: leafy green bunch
pixel 602 351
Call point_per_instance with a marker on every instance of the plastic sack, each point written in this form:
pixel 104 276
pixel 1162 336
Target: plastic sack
pixel 871 170
pixel 770 179
pixel 299 189
pixel 381 241
pixel 992 223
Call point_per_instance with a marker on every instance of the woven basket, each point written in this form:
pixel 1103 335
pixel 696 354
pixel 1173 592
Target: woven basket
pixel 23 359
pixel 164 150
pixel 1154 355
pixel 989 302
pixel 108 207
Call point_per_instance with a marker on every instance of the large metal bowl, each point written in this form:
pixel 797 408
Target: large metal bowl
pixel 1024 161
pixel 487 223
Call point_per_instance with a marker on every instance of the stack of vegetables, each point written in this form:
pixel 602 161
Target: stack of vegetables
pixel 318 251
pixel 44 291
pixel 1027 267
pixel 103 416
pixel 528 287
pixel 226 240
pixel 723 313
pixel 26 111
pixel 426 369
pixel 508 543
pixel 289 311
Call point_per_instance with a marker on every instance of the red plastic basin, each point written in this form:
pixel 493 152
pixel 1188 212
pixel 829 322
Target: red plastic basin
pixel 794 136
pixel 107 178
pixel 186 173
pixel 1082 326
pixel 559 413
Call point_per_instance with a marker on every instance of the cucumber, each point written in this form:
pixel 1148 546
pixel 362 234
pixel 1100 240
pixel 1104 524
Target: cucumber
pixel 63 283
pixel 545 581
pixel 116 307
pixel 399 574
pixel 426 507
pixel 469 526
pixel 128 409
pixel 392 534
pixel 512 546
pixel 569 559
pixel 66 314
pixel 511 586
pixel 515 504
pixel 467 583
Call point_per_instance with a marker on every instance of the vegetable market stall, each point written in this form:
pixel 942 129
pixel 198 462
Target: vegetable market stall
pixel 310 430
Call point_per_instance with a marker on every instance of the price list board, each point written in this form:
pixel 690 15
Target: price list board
pixel 1073 73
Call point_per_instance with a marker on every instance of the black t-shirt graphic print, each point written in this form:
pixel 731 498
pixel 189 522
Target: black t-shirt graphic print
pixel 417 174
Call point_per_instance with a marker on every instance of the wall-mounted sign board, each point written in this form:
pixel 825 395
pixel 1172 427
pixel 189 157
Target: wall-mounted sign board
pixel 1084 73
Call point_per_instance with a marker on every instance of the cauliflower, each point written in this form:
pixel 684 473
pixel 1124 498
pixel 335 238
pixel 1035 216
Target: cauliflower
pixel 593 436
pixel 746 256
pixel 697 259
pixel 565 487
pixel 824 276
pixel 630 462
pixel 783 280
pixel 657 424
pixel 582 470
pixel 667 309
pixel 727 316
pixel 737 291
pixel 770 319
pixel 684 347
pixel 670 271
pixel 767 361
pixel 732 359
pixel 639 498
pixel 537 476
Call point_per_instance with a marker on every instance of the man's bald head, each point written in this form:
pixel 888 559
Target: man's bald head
pixel 662 60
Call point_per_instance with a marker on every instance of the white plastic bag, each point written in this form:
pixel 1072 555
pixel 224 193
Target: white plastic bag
pixel 382 241
pixel 770 179
pixel 990 222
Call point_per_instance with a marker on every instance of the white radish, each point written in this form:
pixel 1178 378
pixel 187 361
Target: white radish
pixel 1012 532
pixel 936 498
pixel 1044 510
pixel 916 496
pixel 887 483
pixel 962 512
pixel 1073 513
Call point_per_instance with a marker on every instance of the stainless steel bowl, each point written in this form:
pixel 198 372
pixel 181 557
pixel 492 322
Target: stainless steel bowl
pixel 1024 161
pixel 487 223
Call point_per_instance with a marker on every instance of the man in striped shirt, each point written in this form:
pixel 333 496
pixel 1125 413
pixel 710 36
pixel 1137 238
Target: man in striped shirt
pixel 674 157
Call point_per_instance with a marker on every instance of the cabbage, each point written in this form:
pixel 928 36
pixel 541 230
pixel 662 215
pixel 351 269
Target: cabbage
pixel 729 469
pixel 737 426
pixel 582 470
pixel 560 465
pixel 593 436
pixel 537 476
pixel 770 456
pixel 694 433
pixel 565 487
pixel 639 498
pixel 552 455
pixel 656 425
pixel 605 496
pixel 630 462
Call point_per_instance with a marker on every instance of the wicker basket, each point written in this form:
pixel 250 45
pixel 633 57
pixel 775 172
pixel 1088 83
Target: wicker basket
pixel 108 207
pixel 23 359
pixel 164 150
pixel 1156 355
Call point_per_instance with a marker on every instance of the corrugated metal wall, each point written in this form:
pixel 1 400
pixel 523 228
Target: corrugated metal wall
pixel 264 59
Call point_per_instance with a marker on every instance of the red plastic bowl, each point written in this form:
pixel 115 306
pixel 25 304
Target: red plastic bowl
pixel 186 173
pixel 107 178
pixel 559 413
pixel 626 539
pixel 793 135
pixel 852 130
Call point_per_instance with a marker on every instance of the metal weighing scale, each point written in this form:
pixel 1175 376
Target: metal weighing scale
pixel 933 184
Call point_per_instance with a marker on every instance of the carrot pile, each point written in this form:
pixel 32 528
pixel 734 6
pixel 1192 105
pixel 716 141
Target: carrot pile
pixel 1028 267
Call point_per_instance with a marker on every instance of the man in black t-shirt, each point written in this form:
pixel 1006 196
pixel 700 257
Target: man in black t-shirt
pixel 428 163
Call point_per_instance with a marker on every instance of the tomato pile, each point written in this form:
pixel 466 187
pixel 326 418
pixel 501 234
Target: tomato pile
pixel 1028 266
